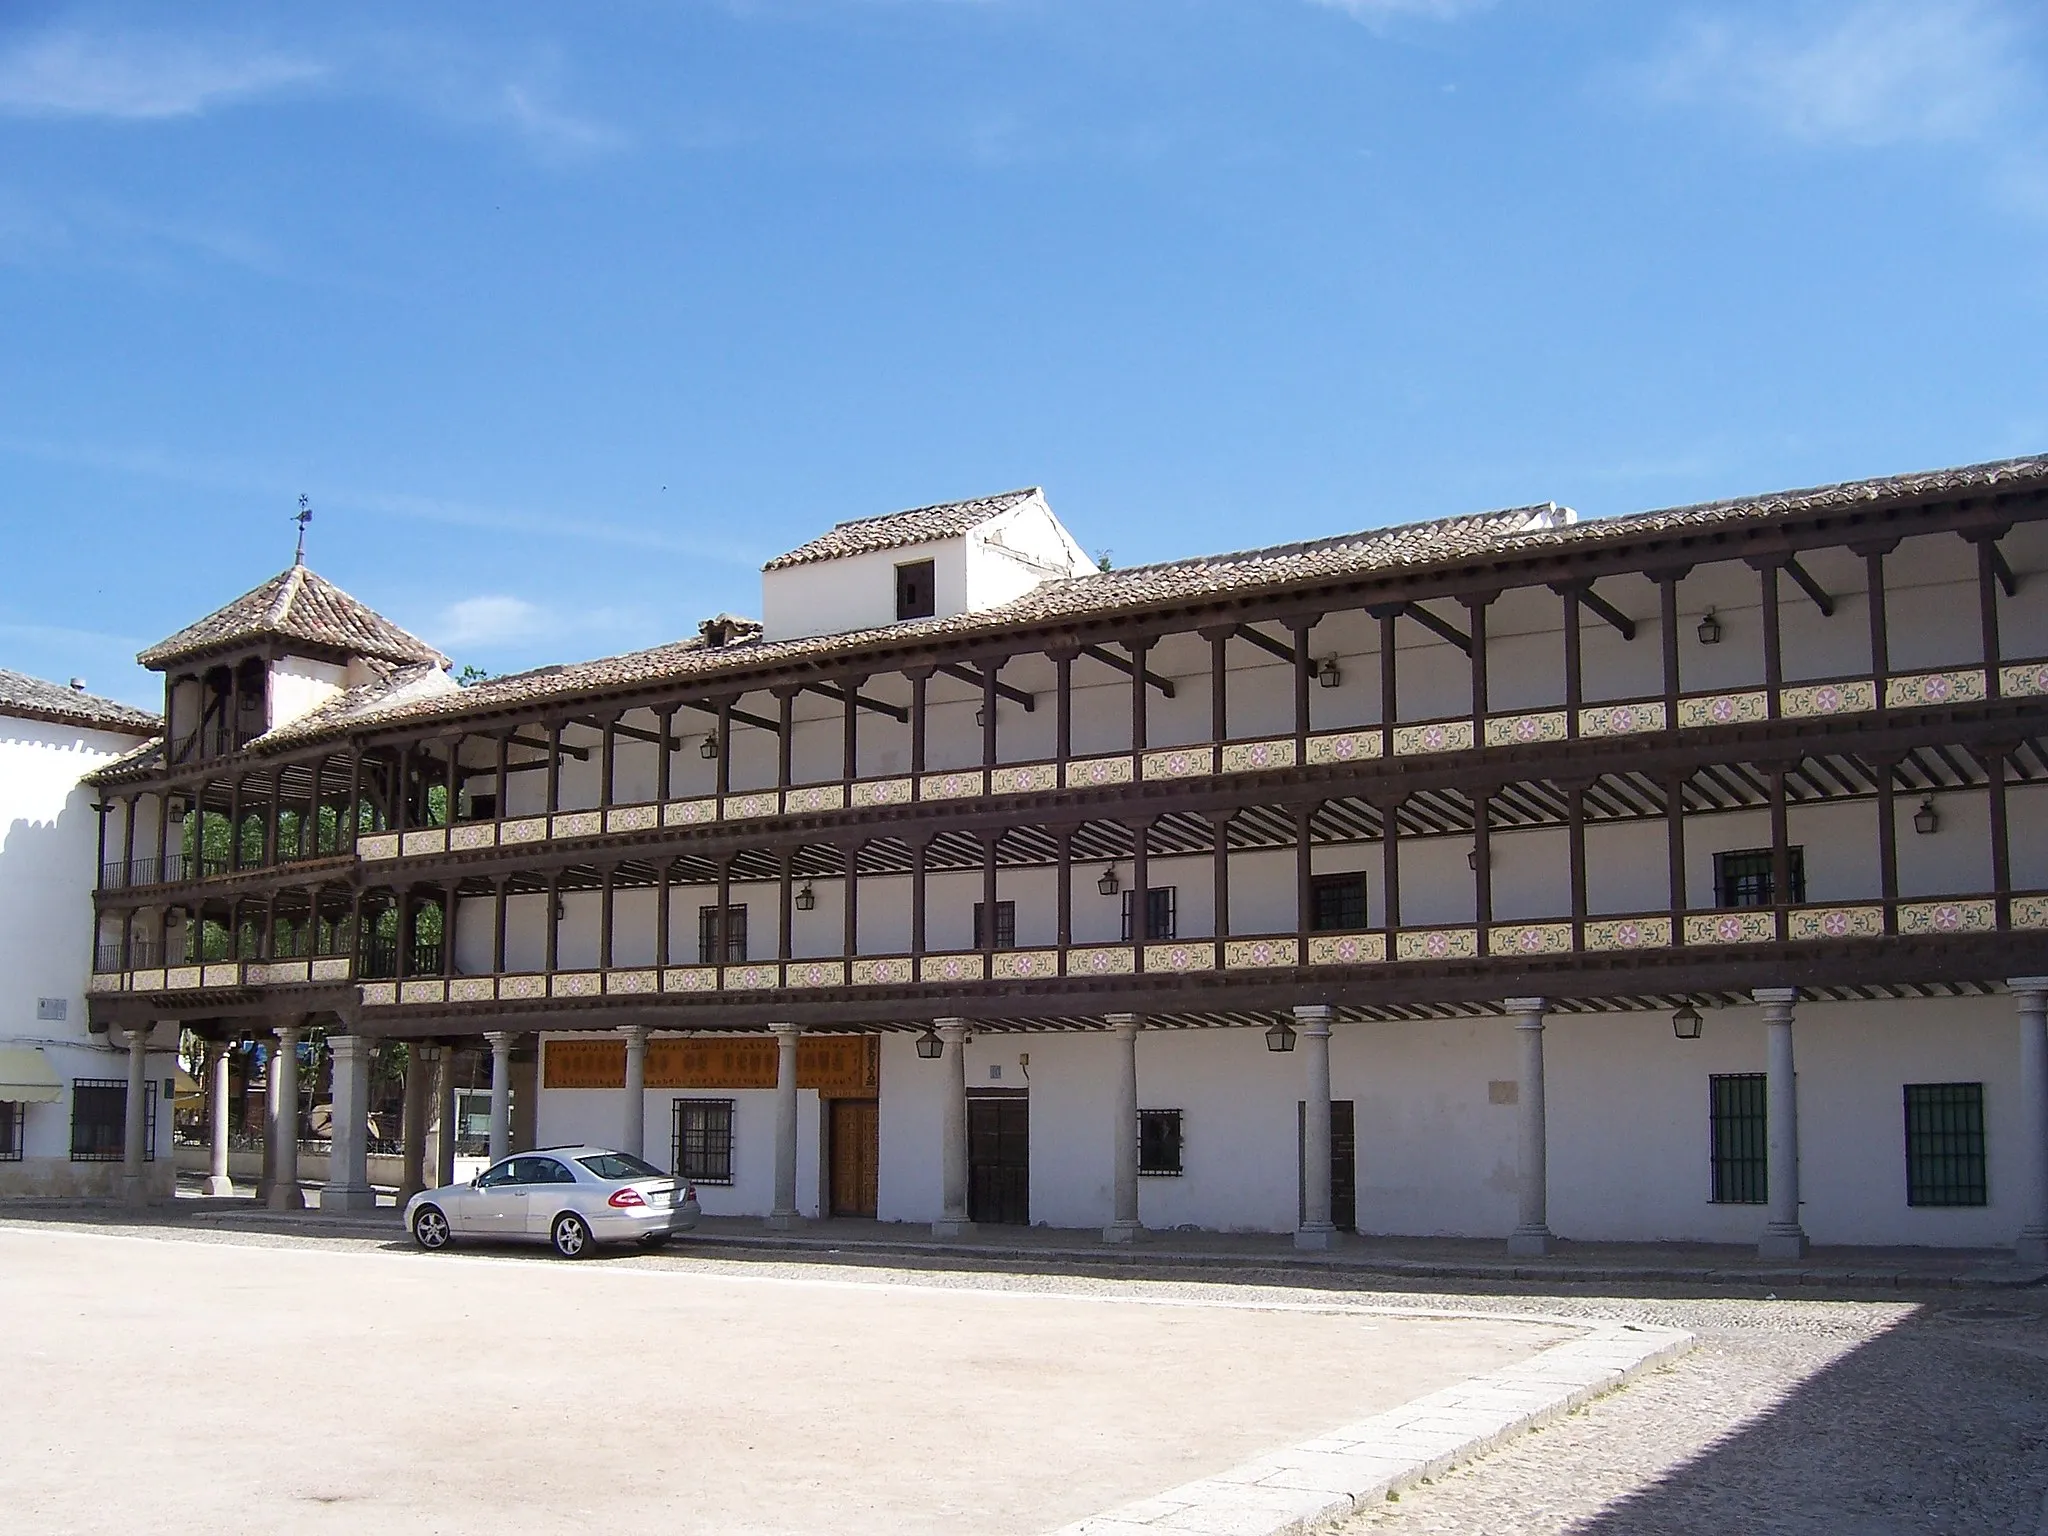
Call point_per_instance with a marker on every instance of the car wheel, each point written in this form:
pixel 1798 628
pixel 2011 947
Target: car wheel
pixel 570 1236
pixel 430 1228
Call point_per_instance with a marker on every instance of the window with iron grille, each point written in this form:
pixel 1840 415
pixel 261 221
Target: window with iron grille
pixel 1159 1142
pixel 99 1120
pixel 1337 903
pixel 1743 877
pixel 1945 1144
pixel 1740 1124
pixel 916 589
pixel 11 1117
pixel 735 948
pixel 702 1147
pixel 1159 913
pixel 1006 925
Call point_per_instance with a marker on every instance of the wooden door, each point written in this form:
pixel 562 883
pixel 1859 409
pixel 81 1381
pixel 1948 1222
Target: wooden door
pixel 1343 1164
pixel 856 1155
pixel 999 1159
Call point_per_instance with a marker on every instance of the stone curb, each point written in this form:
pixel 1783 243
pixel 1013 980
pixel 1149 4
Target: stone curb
pixel 1309 1485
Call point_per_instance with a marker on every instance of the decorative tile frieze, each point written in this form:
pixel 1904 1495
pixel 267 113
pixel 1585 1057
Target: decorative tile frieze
pixel 1347 949
pixel 1813 700
pixel 750 807
pixel 576 984
pixel 881 971
pixel 1260 954
pixel 525 829
pixel 1099 772
pixel 1744 927
pixel 960 784
pixel 817 973
pixel 472 834
pixel 632 818
pixel 1948 916
pixel 106 981
pixel 1525 730
pixel 1962 685
pixel 2026 679
pixel 752 978
pixel 1609 933
pixel 179 977
pixel 377 845
pixel 227 974
pixel 1347 746
pixel 579 824
pixel 689 813
pixel 422 992
pixel 633 983
pixel 1024 779
pixel 1026 964
pixel 1104 960
pixel 332 968
pixel 1180 959
pixel 1437 736
pixel 690 978
pixel 812 798
pixel 882 792
pixel 427 840
pixel 515 988
pixel 2030 911
pixel 1258 756
pixel 1707 709
pixel 1631 719
pixel 1437 944
pixel 276 973
pixel 150 980
pixel 1179 763
pixel 951 968
pixel 473 989
pixel 378 994
pixel 1526 940
pixel 1834 923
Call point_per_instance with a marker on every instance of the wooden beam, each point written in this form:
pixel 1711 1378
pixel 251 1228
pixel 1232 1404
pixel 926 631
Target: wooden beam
pixel 1265 643
pixel 581 754
pixel 1440 627
pixel 1804 581
pixel 1601 608
pixel 1111 659
pixel 973 678
pixel 2004 572
pixel 895 712
pixel 759 722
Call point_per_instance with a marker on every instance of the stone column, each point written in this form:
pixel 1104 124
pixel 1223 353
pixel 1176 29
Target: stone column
pixel 412 1146
pixel 2031 993
pixel 219 1088
pixel 501 1093
pixel 785 1215
pixel 1531 1237
pixel 953 1220
pixel 1123 1226
pixel 633 1124
pixel 444 1113
pixel 267 1180
pixel 285 1194
pixel 1317 1230
pixel 1783 1237
pixel 348 1159
pixel 135 1138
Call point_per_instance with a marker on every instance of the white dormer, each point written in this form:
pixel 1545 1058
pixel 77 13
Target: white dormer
pixel 930 562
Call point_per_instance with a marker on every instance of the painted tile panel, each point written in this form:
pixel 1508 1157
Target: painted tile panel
pixel 1347 746
pixel 1622 719
pixel 422 992
pixel 1260 954
pixel 1437 736
pixel 527 829
pixel 945 968
pixel 634 983
pixel 378 994
pixel 882 792
pixel 752 978
pixel 689 813
pixel 1755 927
pixel 1347 949
pixel 1258 756
pixel 1180 958
pixel 1834 923
pixel 1096 772
pixel 1723 709
pixel 1815 700
pixel 377 845
pixel 812 798
pixel 690 978
pixel 817 973
pixel 1026 964
pixel 1524 939
pixel 1437 944
pixel 472 989
pixel 1525 730
pixel 511 988
pixel 1024 779
pixel 747 807
pixel 1962 685
pixel 1180 763
pixel 882 971
pixel 632 818
pixel 1628 933
pixel 1107 960
pixel 576 984
pixel 1960 916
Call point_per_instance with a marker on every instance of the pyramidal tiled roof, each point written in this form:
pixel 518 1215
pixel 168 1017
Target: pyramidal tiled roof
pixel 895 530
pixel 30 698
pixel 295 605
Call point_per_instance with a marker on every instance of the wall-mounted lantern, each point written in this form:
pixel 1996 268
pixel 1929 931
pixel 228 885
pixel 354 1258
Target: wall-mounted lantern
pixel 929 1046
pixel 1328 675
pixel 1686 1022
pixel 1927 819
pixel 806 898
pixel 708 747
pixel 1280 1037
pixel 1108 884
pixel 1710 629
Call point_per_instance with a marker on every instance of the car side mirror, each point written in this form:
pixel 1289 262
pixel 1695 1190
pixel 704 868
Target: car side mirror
pixel 476 1181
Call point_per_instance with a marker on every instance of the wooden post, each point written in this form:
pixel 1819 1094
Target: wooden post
pixel 1141 881
pixel 1774 639
pixel 554 772
pixel 1138 649
pixel 1475 609
pixel 1219 684
pixel 850 943
pixel 1575 809
pixel 502 786
pixel 987 937
pixel 663 875
pixel 1219 843
pixel 1063 897
pixel 498 926
pixel 785 740
pixel 450 890
pixel 917 895
pixel 920 678
pixel 1300 628
pixel 1574 661
pixel 1667 631
pixel 785 911
pixel 604 918
pixel 1482 853
pixel 989 668
pixel 1987 611
pixel 849 747
pixel 1674 852
pixel 1993 758
pixel 1880 628
pixel 1063 708
pixel 1390 697
pixel 606 775
pixel 724 778
pixel 1390 863
pixel 1888 838
pixel 664 725
pixel 1781 843
pixel 1304 874
pixel 554 922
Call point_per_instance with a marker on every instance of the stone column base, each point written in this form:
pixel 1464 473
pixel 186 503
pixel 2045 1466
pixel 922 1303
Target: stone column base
pixel 783 1221
pixel 1316 1238
pixel 342 1197
pixel 219 1185
pixel 1781 1243
pixel 287 1198
pixel 1122 1232
pixel 949 1226
pixel 134 1190
pixel 1530 1243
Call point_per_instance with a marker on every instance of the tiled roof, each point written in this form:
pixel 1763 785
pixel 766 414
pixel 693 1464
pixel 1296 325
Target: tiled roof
pixel 1380 552
pixel 295 605
pixel 30 698
pixel 920 525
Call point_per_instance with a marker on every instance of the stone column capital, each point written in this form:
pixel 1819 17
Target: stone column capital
pixel 2033 988
pixel 1529 1011
pixel 1314 1018
pixel 501 1040
pixel 790 1031
pixel 1776 1002
pixel 1125 1023
pixel 952 1031
pixel 636 1035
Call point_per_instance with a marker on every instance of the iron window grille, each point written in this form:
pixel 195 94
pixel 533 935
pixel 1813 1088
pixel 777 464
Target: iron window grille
pixel 916 589
pixel 1945 1144
pixel 1739 1120
pixel 1743 877
pixel 11 1117
pixel 1006 925
pixel 1337 903
pixel 1160 916
pixel 701 1148
pixel 735 946
pixel 99 1120
pixel 1159 1143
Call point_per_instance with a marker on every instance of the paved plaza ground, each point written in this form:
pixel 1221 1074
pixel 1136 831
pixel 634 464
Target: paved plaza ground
pixel 174 1376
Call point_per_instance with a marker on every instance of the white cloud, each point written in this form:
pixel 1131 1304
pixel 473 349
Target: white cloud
pixel 1873 72
pixel 75 74
pixel 493 619
pixel 553 133
pixel 1375 11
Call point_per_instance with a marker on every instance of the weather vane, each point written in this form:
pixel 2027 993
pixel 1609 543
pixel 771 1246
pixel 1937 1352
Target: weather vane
pixel 304 517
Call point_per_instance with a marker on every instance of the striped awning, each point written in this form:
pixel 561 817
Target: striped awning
pixel 26 1077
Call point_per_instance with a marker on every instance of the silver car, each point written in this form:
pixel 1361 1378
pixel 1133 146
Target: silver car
pixel 567 1197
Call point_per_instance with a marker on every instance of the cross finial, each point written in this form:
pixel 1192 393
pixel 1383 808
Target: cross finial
pixel 305 516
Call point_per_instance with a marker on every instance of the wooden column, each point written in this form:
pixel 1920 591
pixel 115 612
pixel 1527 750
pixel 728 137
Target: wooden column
pixel 1575 828
pixel 724 772
pixel 501 786
pixel 399 818
pixel 345 837
pixel 785 740
pixel 1674 852
pixel 1219 846
pixel 1482 858
pixel 498 916
pixel 989 669
pixel 849 744
pixel 664 726
pixel 917 895
pixel 273 823
pixel 663 875
pixel 1063 707
pixel 1475 609
pixel 1390 695
pixel 604 918
pixel 1993 758
pixel 127 842
pixel 920 678
pixel 1390 862
pixel 850 942
pixel 234 824
pixel 1300 628
pixel 1139 649
pixel 607 777
pixel 554 788
pixel 1219 684
pixel 1304 876
pixel 450 891
pixel 1667 632
pixel 553 921
pixel 1884 770
pixel 785 911
pixel 1063 889
pixel 1774 636
pixel 1141 884
pixel 1574 660
pixel 1987 610
pixel 453 788
pixel 988 894
pixel 721 922
pixel 1781 846
pixel 1880 625
pixel 401 944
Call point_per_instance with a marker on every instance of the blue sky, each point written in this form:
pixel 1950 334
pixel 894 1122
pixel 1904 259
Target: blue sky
pixel 568 317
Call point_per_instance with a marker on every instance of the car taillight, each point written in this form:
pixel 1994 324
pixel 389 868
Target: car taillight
pixel 625 1197
pixel 689 1193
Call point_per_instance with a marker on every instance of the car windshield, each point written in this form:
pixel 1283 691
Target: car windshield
pixel 619 1165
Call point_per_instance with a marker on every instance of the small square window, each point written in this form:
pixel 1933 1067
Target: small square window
pixel 1159 1143
pixel 1338 903
pixel 734 949
pixel 1006 925
pixel 1160 917
pixel 1945 1144
pixel 1743 877
pixel 916 590
pixel 99 1120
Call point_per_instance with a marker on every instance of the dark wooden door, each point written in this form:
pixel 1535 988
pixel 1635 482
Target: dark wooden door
pixel 856 1154
pixel 1343 1164
pixel 999 1159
